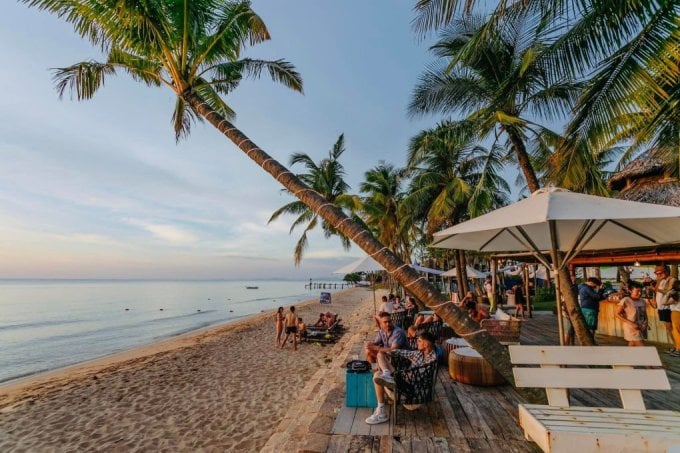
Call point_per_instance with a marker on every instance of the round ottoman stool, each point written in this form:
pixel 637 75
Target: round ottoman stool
pixel 468 367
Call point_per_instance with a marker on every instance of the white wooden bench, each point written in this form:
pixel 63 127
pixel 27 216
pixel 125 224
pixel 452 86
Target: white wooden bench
pixel 558 427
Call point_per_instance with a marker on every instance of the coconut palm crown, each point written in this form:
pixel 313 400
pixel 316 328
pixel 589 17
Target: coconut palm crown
pixel 327 178
pixel 188 46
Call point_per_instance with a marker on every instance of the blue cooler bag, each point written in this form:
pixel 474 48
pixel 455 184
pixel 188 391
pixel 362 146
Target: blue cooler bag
pixel 359 391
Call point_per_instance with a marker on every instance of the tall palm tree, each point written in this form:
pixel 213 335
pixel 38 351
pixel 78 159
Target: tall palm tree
pixel 452 180
pixel 628 51
pixel 501 74
pixel 327 179
pixel 194 48
pixel 499 81
pixel 381 206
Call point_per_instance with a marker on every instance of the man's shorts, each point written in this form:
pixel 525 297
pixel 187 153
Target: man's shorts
pixel 590 317
pixel 292 329
pixel 664 315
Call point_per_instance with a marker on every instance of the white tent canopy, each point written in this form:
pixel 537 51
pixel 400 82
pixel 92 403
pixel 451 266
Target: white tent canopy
pixel 471 273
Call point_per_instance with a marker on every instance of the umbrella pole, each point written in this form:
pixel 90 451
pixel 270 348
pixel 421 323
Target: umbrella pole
pixel 375 310
pixel 558 290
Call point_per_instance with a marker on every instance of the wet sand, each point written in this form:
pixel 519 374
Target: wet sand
pixel 221 389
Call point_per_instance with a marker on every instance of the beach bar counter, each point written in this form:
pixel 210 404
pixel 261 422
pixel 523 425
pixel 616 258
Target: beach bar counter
pixel 609 324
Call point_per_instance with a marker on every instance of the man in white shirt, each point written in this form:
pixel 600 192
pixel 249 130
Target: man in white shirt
pixel 664 283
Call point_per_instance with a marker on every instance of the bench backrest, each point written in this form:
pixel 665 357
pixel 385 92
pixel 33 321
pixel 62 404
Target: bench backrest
pixel 506 331
pixel 621 375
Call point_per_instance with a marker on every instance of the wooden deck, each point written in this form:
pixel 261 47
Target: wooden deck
pixel 470 418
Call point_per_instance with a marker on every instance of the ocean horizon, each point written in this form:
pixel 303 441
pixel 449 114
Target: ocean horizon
pixel 46 324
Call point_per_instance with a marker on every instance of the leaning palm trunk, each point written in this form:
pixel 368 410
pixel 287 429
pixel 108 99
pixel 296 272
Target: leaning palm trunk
pixel 487 346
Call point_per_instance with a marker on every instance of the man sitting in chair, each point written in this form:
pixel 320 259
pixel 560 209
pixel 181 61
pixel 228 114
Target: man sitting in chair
pixel 389 337
pixel 383 378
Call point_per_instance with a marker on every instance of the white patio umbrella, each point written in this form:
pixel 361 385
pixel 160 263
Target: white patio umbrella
pixel 367 265
pixel 556 220
pixel 471 273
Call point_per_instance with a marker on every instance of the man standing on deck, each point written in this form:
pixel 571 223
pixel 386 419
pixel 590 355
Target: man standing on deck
pixel 589 297
pixel 488 287
pixel 424 354
pixel 664 284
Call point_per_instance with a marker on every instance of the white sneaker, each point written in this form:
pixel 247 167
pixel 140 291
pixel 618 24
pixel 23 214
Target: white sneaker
pixel 384 379
pixel 379 416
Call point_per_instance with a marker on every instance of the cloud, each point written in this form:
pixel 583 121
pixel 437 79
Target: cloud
pixel 168 233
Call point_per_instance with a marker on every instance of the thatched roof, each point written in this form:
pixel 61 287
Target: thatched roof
pixel 666 192
pixel 642 167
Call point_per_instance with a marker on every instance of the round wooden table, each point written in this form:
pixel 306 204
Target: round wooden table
pixel 468 367
pixel 454 343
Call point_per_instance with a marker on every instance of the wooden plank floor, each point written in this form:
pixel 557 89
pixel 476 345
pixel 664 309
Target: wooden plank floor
pixel 469 418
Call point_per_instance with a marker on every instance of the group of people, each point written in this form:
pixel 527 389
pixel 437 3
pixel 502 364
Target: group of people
pixel 632 309
pixel 392 340
pixel 295 328
pixel 662 294
pixel 394 303
pixel 291 324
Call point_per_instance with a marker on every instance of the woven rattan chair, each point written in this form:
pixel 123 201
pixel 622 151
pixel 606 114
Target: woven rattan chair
pixel 505 331
pixel 399 318
pixel 414 385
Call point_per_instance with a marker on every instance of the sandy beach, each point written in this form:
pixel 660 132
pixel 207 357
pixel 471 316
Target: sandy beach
pixel 222 389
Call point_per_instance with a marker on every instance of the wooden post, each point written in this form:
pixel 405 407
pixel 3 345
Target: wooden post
pixel 526 288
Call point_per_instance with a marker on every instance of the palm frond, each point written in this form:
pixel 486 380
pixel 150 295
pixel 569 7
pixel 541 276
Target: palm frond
pixel 82 80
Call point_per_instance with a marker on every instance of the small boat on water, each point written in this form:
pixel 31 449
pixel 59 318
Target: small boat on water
pixel 252 287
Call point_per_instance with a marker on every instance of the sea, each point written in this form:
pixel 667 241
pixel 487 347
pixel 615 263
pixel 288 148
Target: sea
pixel 50 324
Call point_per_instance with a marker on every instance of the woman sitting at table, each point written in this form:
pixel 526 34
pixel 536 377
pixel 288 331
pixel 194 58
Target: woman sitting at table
pixel 469 297
pixel 475 313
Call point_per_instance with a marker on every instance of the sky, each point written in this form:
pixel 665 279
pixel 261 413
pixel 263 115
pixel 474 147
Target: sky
pixel 100 188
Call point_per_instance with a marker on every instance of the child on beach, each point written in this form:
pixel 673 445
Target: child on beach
pixel 291 328
pixel 279 325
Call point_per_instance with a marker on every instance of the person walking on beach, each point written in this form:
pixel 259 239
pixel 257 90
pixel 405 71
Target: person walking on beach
pixel 279 319
pixel 383 379
pixel 291 327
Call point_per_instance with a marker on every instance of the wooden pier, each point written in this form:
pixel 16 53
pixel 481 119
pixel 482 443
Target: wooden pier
pixel 334 285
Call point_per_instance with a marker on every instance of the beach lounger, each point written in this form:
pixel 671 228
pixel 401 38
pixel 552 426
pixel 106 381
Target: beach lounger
pixel 323 334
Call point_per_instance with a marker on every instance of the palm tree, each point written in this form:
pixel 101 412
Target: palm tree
pixel 453 180
pixel 193 47
pixel 326 178
pixel 382 210
pixel 500 74
pixel 628 53
pixel 499 81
